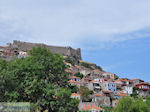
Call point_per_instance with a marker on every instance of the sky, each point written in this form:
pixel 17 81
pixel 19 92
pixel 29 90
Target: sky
pixel 114 34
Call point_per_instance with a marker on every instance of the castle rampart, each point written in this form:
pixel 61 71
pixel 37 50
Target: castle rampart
pixel 65 51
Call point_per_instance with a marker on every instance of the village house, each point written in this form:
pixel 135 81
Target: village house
pixel 22 54
pixel 76 95
pixel 127 89
pixel 101 99
pixel 120 94
pixel 136 81
pixel 109 75
pixel 109 86
pixel 91 108
pixel 144 89
pixel 74 78
pixel 123 82
pixel 99 79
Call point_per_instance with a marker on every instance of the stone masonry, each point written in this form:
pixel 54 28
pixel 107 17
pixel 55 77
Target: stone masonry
pixel 64 51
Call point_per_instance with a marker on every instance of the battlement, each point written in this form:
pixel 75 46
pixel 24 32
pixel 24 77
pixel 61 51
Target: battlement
pixel 64 51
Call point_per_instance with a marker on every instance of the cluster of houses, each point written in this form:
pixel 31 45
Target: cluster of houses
pixel 107 87
pixel 8 53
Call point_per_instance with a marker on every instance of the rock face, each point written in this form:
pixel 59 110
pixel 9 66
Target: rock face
pixel 64 51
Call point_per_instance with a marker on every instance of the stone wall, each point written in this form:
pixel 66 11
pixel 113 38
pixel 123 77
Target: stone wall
pixel 65 51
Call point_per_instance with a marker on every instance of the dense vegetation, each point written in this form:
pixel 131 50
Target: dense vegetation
pixel 39 79
pixel 131 104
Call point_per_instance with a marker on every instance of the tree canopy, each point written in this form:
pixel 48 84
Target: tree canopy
pixel 131 104
pixel 39 79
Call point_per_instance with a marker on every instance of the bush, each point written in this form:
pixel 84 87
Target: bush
pixel 78 74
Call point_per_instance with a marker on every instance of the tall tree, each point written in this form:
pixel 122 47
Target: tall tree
pixel 39 79
pixel 130 104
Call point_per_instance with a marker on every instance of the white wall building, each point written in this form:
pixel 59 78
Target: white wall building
pixel 99 80
pixel 109 86
pixel 128 89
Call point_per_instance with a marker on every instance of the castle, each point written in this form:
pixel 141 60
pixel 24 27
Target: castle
pixel 26 46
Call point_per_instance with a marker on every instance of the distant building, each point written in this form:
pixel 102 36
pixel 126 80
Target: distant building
pixel 76 95
pixel 109 86
pixel 128 89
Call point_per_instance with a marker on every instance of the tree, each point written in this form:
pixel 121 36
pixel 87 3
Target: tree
pixel 148 102
pixel 78 74
pixel 85 92
pixel 130 104
pixel 108 109
pixel 39 79
pixel 73 88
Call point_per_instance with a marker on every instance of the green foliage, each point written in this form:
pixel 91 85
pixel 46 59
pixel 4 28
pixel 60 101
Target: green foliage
pixel 108 109
pixel 86 65
pixel 70 60
pixel 78 74
pixel 148 102
pixel 73 88
pixel 116 78
pixel 129 104
pixel 134 93
pixel 85 92
pixel 39 79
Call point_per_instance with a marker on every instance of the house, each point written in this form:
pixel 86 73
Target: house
pixel 127 89
pixel 94 85
pixel 109 86
pixel 74 78
pixel 120 94
pixel 123 82
pixel 77 83
pixel 99 79
pixel 92 108
pixel 136 81
pixel 101 100
pixel 22 54
pixel 109 75
pixel 144 89
pixel 76 95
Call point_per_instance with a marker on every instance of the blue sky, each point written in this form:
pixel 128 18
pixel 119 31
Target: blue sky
pixel 114 34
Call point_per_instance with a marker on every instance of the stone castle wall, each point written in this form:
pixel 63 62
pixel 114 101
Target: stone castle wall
pixel 65 51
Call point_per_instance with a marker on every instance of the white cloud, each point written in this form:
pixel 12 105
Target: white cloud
pixel 64 22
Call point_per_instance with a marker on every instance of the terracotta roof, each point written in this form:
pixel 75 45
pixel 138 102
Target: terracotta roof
pixel 122 92
pixel 123 80
pixel 75 94
pixel 98 94
pixel 134 79
pixel 71 81
pixel 95 81
pixel 106 91
pixel 89 107
pixel 143 83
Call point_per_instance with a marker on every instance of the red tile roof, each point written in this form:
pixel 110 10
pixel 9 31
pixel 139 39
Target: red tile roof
pixel 106 91
pixel 89 107
pixel 75 94
pixel 98 94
